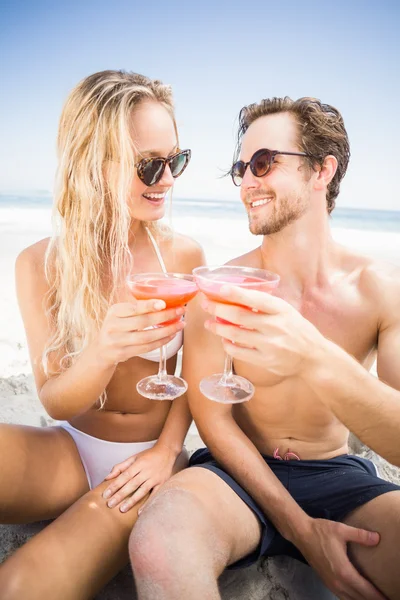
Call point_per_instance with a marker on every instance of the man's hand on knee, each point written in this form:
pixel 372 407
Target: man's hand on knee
pixel 324 546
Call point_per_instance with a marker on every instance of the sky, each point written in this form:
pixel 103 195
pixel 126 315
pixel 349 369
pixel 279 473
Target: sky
pixel 218 57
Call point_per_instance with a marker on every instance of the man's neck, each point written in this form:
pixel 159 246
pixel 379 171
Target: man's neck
pixel 303 253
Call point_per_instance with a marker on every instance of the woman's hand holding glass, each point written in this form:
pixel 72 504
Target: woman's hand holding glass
pixel 130 329
pixel 176 289
pixel 139 475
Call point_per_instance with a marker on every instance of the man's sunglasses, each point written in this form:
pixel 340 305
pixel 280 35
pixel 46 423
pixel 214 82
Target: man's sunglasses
pixel 150 170
pixel 260 164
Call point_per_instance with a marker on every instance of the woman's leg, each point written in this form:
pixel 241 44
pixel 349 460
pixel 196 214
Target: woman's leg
pixel 76 555
pixel 41 473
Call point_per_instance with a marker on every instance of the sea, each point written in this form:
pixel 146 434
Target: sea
pixel 219 225
pixel 349 218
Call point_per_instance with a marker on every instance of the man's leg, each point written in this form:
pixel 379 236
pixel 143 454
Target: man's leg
pixel 188 534
pixel 381 563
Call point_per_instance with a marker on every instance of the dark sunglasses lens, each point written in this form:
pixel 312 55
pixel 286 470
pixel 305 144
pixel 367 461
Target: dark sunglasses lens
pixel 152 171
pixel 237 173
pixel 178 164
pixel 260 163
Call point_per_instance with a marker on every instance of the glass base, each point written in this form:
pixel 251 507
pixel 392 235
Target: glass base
pixel 168 388
pixel 227 390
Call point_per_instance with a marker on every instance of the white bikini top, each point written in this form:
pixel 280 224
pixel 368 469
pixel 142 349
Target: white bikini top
pixel 175 344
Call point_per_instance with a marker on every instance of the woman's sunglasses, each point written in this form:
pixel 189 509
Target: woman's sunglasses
pixel 150 170
pixel 260 164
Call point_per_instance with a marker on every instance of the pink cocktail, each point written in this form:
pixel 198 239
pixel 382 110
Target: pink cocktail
pixel 211 287
pixel 176 289
pixel 226 387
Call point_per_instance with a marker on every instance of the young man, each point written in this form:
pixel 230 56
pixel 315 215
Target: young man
pixel 307 349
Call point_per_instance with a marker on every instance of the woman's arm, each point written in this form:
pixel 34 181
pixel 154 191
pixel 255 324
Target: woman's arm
pixel 176 426
pixel 76 389
pixel 190 256
pixel 173 435
pixel 147 471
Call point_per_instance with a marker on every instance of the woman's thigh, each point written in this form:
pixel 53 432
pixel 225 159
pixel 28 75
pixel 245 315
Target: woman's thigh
pixel 77 554
pixel 74 556
pixel 41 473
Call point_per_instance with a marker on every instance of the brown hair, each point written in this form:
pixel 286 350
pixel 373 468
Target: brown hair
pixel 321 132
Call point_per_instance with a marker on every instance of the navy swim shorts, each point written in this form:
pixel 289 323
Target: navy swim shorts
pixel 325 489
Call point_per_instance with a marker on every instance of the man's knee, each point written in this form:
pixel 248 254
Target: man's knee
pixel 174 530
pixel 173 514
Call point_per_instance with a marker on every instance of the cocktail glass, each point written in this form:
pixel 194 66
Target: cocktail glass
pixel 176 289
pixel 227 387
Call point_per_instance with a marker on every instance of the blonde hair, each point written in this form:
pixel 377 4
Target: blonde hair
pixel 88 257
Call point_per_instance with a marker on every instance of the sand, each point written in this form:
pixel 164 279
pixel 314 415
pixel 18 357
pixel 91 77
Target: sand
pixel 279 578
pixel 274 579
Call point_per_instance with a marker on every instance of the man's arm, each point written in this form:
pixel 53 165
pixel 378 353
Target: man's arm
pixel 369 407
pixel 203 355
pixel 290 346
pixel 323 543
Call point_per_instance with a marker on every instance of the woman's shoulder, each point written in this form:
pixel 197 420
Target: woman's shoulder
pixel 31 260
pixel 34 253
pixel 186 252
pixel 187 244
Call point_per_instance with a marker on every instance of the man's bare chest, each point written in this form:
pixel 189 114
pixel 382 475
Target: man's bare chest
pixel 345 318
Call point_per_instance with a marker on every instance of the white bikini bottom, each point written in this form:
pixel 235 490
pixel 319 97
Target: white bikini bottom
pixel 99 456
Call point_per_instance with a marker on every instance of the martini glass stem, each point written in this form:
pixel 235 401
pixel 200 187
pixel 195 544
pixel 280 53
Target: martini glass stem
pixel 162 368
pixel 228 370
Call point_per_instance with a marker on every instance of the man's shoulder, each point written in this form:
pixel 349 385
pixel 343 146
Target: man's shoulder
pixel 374 276
pixel 380 282
pixel 380 276
pixel 249 259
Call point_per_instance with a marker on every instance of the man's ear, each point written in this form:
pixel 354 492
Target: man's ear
pixel 326 172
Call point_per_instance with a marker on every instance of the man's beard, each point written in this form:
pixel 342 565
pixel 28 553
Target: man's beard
pixel 288 211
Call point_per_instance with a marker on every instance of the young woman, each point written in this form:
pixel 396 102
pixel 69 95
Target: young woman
pixel 90 343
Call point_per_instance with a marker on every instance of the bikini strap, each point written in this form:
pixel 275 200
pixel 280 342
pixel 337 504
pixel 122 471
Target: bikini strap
pixel 156 250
